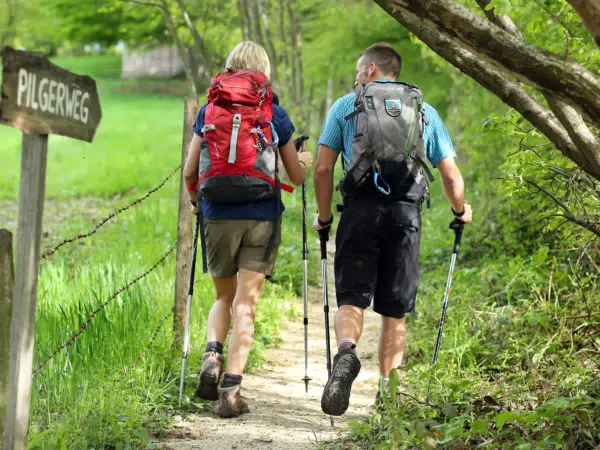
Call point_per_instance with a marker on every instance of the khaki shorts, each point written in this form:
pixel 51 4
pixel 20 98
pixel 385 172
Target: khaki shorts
pixel 233 244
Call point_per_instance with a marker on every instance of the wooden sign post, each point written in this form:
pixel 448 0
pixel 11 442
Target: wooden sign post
pixel 38 98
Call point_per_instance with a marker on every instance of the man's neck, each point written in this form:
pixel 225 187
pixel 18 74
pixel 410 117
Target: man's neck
pixel 382 77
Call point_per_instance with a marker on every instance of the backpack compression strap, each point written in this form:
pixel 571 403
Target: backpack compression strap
pixel 237 120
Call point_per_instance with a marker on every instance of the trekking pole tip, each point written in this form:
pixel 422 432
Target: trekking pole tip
pixel 306 380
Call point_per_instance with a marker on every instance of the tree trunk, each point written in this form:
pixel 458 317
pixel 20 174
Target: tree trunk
pixel 589 11
pixel 537 67
pixel 285 61
pixel 270 45
pixel 569 117
pixel 579 132
pixel 247 20
pixel 296 40
pixel 490 77
pixel 191 79
pixel 242 20
pixel 255 22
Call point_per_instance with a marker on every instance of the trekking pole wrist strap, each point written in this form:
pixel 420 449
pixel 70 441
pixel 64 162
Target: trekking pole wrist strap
pixel 458 214
pixel 325 224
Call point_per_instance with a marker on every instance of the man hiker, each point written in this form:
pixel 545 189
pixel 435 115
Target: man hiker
pixel 232 162
pixel 385 132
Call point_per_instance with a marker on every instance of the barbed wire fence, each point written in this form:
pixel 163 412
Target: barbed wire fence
pixel 86 323
pixel 54 249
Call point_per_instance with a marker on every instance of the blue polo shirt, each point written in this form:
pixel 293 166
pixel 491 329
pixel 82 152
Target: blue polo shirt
pixel 263 210
pixel 338 133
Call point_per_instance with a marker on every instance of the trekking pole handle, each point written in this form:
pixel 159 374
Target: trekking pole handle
pixel 324 237
pixel 299 141
pixel 458 228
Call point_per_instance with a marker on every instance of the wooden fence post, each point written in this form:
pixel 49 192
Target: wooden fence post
pixel 184 227
pixel 7 285
pixel 31 207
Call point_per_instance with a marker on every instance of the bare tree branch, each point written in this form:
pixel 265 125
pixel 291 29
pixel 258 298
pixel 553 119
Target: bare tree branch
pixel 568 213
pixel 490 77
pixel 502 20
pixel 568 116
pixel 207 62
pixel 579 132
pixel 537 67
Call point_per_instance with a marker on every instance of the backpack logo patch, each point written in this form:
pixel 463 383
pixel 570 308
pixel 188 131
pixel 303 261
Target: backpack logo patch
pixel 393 107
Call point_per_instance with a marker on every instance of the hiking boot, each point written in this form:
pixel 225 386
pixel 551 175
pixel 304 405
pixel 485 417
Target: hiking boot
pixel 231 403
pixel 212 366
pixel 336 395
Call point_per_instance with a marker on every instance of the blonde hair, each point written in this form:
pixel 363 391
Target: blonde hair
pixel 249 55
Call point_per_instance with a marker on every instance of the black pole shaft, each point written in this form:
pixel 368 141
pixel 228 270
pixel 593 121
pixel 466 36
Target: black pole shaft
pixel 458 227
pixel 195 252
pixel 304 237
pixel 324 237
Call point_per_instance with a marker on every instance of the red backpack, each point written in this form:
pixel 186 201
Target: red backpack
pixel 238 157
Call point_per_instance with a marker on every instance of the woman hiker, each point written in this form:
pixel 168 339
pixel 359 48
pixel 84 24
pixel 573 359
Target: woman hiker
pixel 238 136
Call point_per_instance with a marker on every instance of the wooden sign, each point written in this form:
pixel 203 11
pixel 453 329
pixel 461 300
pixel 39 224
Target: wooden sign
pixel 40 97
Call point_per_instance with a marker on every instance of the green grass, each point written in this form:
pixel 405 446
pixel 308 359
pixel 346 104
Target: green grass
pixel 104 67
pixel 137 144
pixel 90 395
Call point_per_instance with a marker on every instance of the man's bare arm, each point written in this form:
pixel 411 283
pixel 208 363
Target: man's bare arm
pixel 454 187
pixel 324 181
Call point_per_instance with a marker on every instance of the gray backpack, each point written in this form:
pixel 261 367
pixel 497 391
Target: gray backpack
pixel 388 152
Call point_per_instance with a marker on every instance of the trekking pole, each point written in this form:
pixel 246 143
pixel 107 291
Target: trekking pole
pixel 324 237
pixel 186 335
pixel 458 227
pixel 299 146
pixel 305 281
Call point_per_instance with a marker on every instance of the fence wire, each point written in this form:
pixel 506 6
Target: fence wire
pixel 100 308
pixel 110 217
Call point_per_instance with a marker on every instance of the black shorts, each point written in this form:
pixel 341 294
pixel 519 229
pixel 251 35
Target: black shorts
pixel 377 255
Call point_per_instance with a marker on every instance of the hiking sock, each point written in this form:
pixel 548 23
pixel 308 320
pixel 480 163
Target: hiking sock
pixel 230 380
pixel 214 345
pixel 346 343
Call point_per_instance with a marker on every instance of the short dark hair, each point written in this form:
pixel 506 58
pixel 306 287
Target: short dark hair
pixel 387 59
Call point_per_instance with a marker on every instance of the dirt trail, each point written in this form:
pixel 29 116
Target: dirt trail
pixel 282 416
